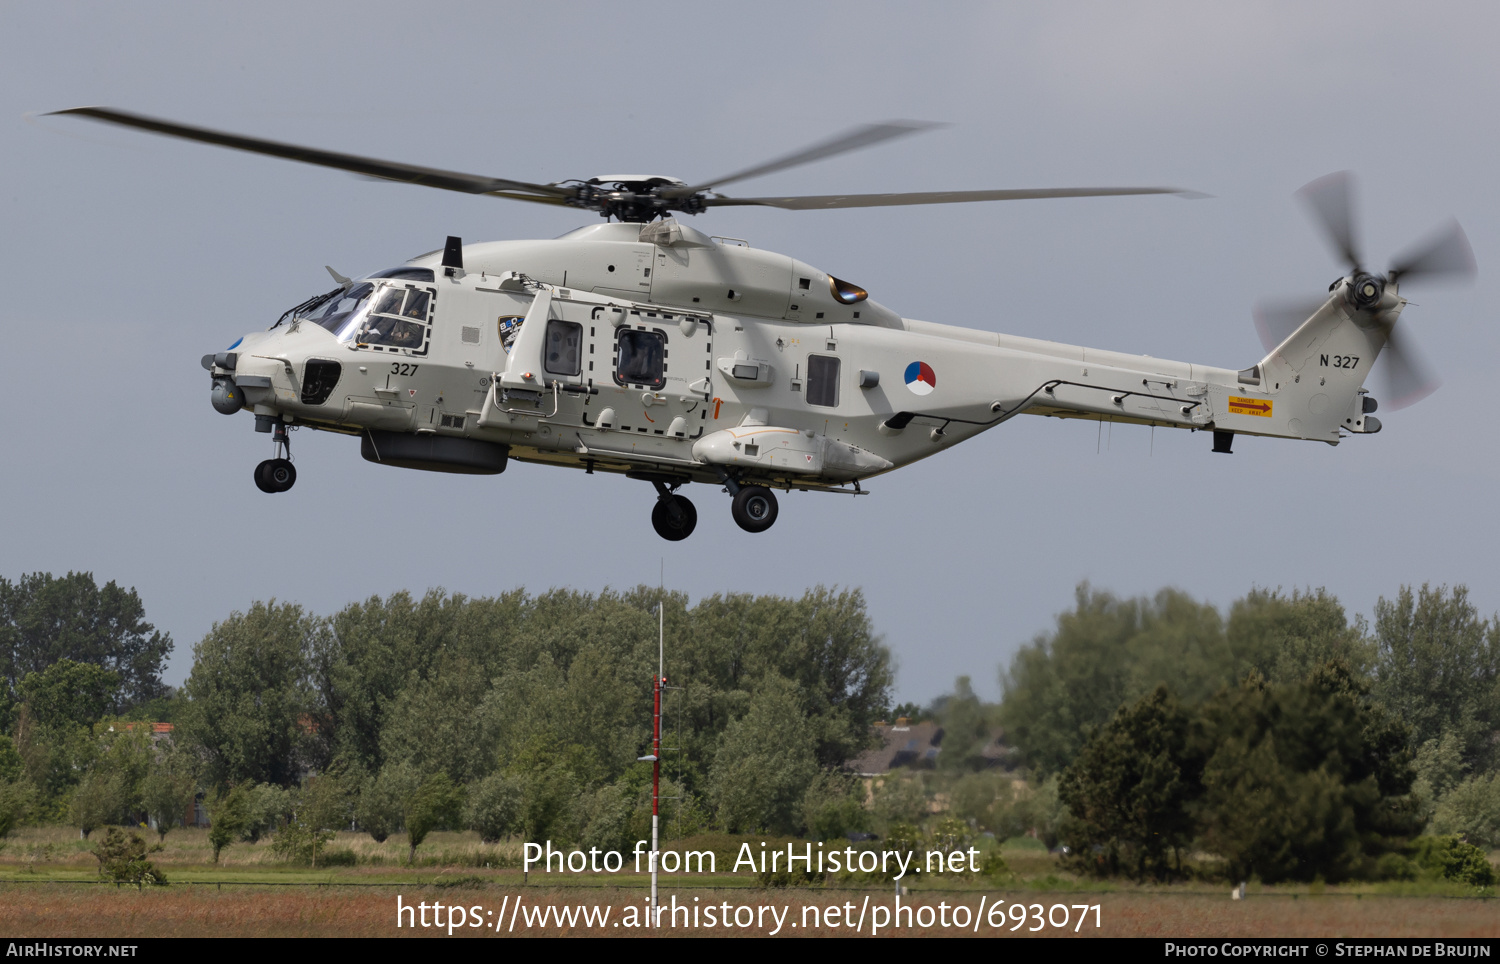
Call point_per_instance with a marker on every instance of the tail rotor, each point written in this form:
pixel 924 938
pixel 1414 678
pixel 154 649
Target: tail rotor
pixel 1407 377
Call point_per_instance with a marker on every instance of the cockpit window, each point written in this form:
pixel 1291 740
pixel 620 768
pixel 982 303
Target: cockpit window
pixel 386 317
pixel 396 321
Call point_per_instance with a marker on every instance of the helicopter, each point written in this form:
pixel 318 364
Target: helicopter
pixel 642 347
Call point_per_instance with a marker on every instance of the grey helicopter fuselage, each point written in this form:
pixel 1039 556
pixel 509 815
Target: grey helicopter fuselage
pixel 656 351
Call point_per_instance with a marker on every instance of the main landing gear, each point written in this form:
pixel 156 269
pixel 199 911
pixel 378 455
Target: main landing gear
pixel 754 506
pixel 278 474
pixel 674 517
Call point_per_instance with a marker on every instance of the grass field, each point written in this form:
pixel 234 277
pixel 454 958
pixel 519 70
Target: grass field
pixel 49 888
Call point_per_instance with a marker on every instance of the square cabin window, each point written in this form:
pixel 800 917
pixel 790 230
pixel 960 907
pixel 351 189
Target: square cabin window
pixel 564 352
pixel 822 380
pixel 641 358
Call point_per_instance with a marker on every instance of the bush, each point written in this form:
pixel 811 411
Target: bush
pixel 300 843
pixel 123 860
pixel 801 877
pixel 900 801
pixel 1395 867
pixel 994 866
pixel 1452 859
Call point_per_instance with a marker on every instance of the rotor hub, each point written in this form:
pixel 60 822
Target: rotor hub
pixel 1366 291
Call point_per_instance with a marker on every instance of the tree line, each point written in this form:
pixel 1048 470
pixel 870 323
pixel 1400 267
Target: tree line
pixel 1284 738
pixel 1287 740
pixel 511 714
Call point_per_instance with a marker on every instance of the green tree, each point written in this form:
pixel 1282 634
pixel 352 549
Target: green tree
pixel 968 727
pixel 1041 810
pixel 374 650
pixel 55 759
pixel 1440 767
pixel 228 816
pixel 326 800
pixel 1471 811
pixel 101 798
pixel 12 767
pixel 988 799
pixel 1305 779
pixel 1438 668
pixel 436 803
pixel 377 808
pixel 436 723
pixel 267 806
pixel 834 806
pixel 44 619
pixel 318 811
pixel 16 798
pixel 494 805
pixel 1129 791
pixel 70 694
pixel 911 712
pixel 1287 638
pixel 168 790
pixel 765 762
pixel 249 700
pixel 1105 653
pixel 606 816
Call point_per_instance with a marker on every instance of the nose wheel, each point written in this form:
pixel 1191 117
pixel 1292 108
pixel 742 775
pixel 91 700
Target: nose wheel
pixel 278 474
pixel 275 475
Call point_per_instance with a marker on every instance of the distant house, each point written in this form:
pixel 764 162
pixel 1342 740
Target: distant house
pixel 902 744
pixel 159 731
pixel 917 746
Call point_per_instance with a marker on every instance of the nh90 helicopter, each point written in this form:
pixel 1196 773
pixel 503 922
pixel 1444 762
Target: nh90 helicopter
pixel 641 346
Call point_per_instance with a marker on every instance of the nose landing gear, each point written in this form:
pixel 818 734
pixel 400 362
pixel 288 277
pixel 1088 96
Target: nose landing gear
pixel 278 474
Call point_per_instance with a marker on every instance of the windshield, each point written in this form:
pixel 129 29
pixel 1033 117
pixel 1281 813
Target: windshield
pixel 372 315
pixel 331 310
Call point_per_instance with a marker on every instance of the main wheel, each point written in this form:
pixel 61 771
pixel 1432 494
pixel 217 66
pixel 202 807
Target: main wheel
pixel 754 508
pixel 263 476
pixel 280 474
pixel 670 528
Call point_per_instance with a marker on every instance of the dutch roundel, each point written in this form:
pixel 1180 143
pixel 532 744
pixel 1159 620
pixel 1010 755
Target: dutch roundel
pixel 920 378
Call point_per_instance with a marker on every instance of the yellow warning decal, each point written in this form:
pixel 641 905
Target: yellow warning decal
pixel 1250 406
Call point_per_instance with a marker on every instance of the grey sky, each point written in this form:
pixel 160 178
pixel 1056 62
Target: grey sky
pixel 131 255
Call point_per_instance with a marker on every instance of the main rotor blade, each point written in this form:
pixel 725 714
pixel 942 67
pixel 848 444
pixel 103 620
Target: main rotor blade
pixel 1331 199
pixel 371 167
pixel 814 202
pixel 1446 252
pixel 1276 320
pixel 1408 376
pixel 851 140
